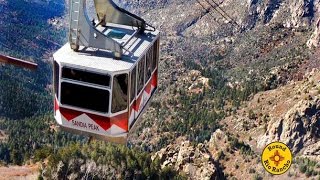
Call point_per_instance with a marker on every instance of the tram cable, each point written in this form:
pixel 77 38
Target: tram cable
pixel 219 10
pixel 208 11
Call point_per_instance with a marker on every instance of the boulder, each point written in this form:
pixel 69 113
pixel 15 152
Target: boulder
pixel 314 40
pixel 194 161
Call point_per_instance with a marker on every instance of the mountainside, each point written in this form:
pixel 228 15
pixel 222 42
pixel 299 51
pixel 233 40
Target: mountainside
pixel 288 114
pixel 234 60
pixel 269 50
pixel 25 33
pixel 229 85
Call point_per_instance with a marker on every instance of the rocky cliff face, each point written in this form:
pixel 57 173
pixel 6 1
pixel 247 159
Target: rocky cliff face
pixel 314 41
pixel 299 125
pixel 249 13
pixel 302 12
pixel 290 114
pixel 293 13
pixel 299 128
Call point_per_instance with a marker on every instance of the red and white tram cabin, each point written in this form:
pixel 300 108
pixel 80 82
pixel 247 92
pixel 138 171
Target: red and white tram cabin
pixel 98 95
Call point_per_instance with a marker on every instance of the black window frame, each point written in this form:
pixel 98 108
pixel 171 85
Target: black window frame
pixel 149 61
pixel 141 74
pixel 133 80
pixel 155 54
pixel 84 75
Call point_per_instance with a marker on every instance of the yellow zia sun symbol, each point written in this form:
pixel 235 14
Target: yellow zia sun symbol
pixel 276 158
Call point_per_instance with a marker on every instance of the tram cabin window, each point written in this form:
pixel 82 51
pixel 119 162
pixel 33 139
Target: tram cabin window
pixel 85 97
pixel 120 93
pixel 149 61
pixel 155 54
pixel 56 78
pixel 141 67
pixel 133 84
pixel 85 76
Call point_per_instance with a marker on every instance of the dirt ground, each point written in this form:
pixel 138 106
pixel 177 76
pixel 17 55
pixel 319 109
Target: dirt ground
pixel 19 172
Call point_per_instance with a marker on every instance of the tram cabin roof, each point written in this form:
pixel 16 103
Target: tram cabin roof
pixel 99 60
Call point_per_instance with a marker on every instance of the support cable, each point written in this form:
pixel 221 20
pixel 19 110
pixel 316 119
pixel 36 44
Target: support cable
pixel 222 12
pixel 207 10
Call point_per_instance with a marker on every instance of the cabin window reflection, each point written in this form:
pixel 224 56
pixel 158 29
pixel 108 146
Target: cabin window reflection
pixel 149 61
pixel 85 97
pixel 85 76
pixel 119 93
pixel 133 84
pixel 141 68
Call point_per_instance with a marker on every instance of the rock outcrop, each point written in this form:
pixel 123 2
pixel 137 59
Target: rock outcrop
pixel 195 161
pixel 313 151
pixel 302 13
pixel 314 41
pixel 300 127
pixel 297 125
pixel 290 114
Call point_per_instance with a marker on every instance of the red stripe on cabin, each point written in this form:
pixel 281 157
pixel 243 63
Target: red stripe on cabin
pixel 132 111
pixel 69 114
pixel 155 78
pixel 132 107
pixel 103 122
pixel 148 87
pixel 136 105
pixel 120 120
pixel 153 82
pixel 56 105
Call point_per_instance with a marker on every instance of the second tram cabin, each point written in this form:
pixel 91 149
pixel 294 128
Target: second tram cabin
pixel 100 96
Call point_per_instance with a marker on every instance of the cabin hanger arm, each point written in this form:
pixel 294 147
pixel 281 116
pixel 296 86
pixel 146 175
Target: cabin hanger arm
pixel 109 12
pixel 84 32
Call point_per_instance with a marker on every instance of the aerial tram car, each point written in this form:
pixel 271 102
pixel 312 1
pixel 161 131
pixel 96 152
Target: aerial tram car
pixel 106 75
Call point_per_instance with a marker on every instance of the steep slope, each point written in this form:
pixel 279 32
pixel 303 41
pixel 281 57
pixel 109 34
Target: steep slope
pixel 225 91
pixel 235 63
pixel 269 53
pixel 288 114
pixel 26 33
